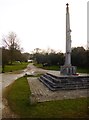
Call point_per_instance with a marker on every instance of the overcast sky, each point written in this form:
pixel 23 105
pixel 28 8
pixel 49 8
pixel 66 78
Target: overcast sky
pixel 41 23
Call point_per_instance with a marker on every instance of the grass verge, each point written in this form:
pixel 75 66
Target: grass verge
pixel 83 70
pixel 18 94
pixel 54 67
pixel 15 67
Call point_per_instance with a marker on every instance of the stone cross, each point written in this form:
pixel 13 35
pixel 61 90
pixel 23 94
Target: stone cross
pixel 68 69
pixel 68 38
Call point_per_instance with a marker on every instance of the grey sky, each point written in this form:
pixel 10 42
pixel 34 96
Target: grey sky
pixel 41 23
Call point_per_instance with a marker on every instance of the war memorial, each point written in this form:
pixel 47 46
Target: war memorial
pixel 63 84
pixel 67 79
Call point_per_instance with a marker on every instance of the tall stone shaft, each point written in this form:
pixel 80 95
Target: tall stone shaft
pixel 68 69
pixel 68 38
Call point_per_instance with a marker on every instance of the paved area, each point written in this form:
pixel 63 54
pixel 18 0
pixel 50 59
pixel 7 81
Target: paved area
pixel 57 73
pixel 41 93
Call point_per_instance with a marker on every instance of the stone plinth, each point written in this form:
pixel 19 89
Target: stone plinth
pixel 41 93
pixel 68 70
pixel 65 82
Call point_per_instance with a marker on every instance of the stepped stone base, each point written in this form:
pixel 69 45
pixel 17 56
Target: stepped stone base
pixel 41 93
pixel 65 82
pixel 68 70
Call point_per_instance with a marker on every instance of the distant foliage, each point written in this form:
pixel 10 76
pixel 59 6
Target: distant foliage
pixel 79 57
pixel 49 59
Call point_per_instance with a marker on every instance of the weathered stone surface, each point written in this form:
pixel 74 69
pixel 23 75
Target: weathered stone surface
pixel 43 93
pixel 54 82
pixel 68 70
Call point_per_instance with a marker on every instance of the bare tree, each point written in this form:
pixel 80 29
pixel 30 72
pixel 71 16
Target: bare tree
pixel 37 50
pixel 12 44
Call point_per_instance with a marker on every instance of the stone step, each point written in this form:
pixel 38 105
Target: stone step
pixel 48 85
pixel 56 83
pixel 67 82
pixel 71 87
pixel 47 80
pixel 52 78
pixel 67 79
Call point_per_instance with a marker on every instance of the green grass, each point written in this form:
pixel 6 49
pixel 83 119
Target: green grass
pixel 54 67
pixel 83 70
pixel 18 98
pixel 38 65
pixel 18 95
pixel 15 67
pixel 0 68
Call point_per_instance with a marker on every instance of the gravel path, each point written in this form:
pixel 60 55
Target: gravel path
pixel 6 111
pixel 7 79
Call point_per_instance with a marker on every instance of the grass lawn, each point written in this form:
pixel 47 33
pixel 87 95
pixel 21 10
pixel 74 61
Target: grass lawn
pixel 0 68
pixel 54 67
pixel 15 67
pixel 83 70
pixel 18 98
